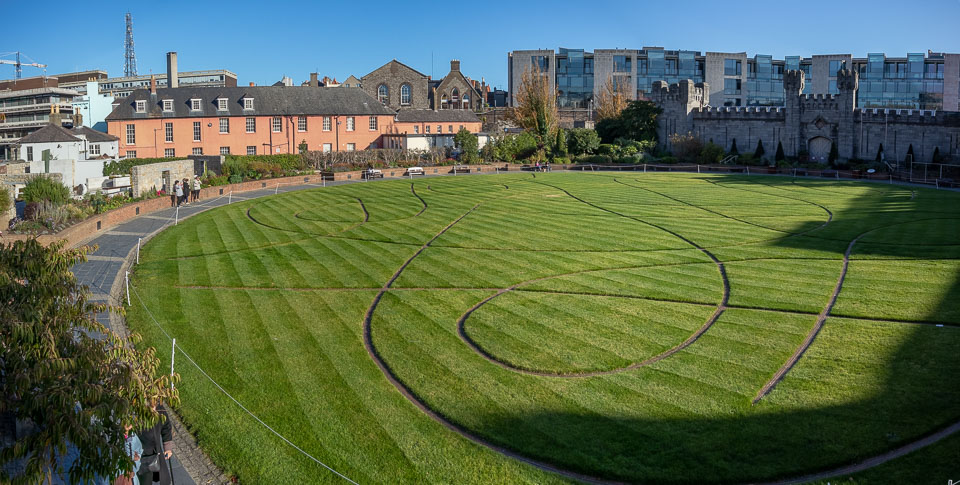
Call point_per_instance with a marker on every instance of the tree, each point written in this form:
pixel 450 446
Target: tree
pixel 880 156
pixel 467 143
pixel 303 147
pixel 833 153
pixel 686 148
pixel 936 159
pixel 909 153
pixel 78 382
pixel 583 141
pixel 5 201
pixel 779 156
pixel 758 153
pixel 733 148
pixel 637 122
pixel 711 153
pixel 45 188
pixel 560 143
pixel 612 100
pixel 536 108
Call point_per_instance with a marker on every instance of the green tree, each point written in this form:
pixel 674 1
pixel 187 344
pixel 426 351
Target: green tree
pixel 637 122
pixel 733 148
pixel 560 143
pixel 74 379
pixel 758 153
pixel 583 141
pixel 711 153
pixel 833 153
pixel 779 156
pixel 880 152
pixel 936 159
pixel 303 147
pixel 686 148
pixel 5 201
pixel 909 153
pixel 536 107
pixel 45 188
pixel 467 143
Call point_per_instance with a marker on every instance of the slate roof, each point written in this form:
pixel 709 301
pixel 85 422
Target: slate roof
pixel 437 116
pixel 93 135
pixel 49 134
pixel 267 101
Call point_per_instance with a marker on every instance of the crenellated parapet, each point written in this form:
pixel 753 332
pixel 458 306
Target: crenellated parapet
pixel 749 113
pixel 907 116
pixel 821 102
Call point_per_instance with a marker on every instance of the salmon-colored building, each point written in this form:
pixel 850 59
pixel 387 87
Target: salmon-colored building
pixel 252 120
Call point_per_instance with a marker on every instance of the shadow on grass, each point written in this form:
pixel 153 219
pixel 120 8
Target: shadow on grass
pixel 913 392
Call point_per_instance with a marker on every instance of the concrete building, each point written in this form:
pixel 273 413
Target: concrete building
pixel 249 120
pixel 93 106
pixel 808 124
pixel 24 111
pixel 119 87
pixel 928 81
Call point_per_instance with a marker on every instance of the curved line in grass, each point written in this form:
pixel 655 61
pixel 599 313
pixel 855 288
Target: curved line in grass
pixel 420 198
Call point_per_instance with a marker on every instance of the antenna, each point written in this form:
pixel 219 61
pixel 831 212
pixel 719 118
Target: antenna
pixel 129 58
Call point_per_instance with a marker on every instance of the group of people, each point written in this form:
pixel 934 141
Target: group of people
pixel 182 190
pixel 149 449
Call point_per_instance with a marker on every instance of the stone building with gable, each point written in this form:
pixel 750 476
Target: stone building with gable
pixel 808 123
pixel 401 87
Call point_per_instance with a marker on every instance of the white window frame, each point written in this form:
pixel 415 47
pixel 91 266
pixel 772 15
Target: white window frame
pixel 351 147
pixel 168 132
pixel 141 106
pixel 131 154
pixel 197 151
pixel 247 103
pixel 416 129
pixel 251 149
pixel 29 154
pixel 327 125
pixel 301 124
pixel 439 129
pixel 195 104
pixel 224 126
pixel 251 124
pixel 426 129
pixel 373 123
pixel 327 148
pixel 405 100
pixel 224 150
pixel 168 105
pixel 351 123
pixel 94 149
pixel 197 131
pixel 131 134
pixel 169 153
pixel 222 104
pixel 276 124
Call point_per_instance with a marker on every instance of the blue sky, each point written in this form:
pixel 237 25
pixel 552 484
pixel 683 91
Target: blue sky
pixel 263 41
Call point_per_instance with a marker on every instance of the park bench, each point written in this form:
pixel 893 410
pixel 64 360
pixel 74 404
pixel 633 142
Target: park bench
pixel 411 171
pixel 372 173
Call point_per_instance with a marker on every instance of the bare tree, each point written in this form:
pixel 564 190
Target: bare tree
pixel 536 109
pixel 613 99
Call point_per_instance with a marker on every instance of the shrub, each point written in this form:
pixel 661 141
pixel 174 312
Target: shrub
pixel 582 141
pixel 833 153
pixel 733 148
pixel 630 160
pixel 758 153
pixel 779 156
pixel 467 143
pixel 216 180
pixel 880 153
pixel 286 161
pixel 5 200
pixel 668 159
pixel 44 188
pixel 560 143
pixel 711 153
pixel 608 149
pixel 122 167
pixel 561 160
pixel 686 147
pixel 591 159
pixel 937 158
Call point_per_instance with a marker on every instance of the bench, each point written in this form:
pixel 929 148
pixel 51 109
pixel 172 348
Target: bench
pixel 457 169
pixel 411 171
pixel 372 173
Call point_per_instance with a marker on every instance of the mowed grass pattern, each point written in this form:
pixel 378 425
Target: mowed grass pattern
pixel 588 274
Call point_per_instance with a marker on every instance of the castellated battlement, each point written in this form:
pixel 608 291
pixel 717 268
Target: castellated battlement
pixel 749 113
pixel 907 116
pixel 685 92
pixel 823 102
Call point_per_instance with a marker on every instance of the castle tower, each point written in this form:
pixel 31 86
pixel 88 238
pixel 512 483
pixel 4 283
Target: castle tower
pixel 793 83
pixel 847 84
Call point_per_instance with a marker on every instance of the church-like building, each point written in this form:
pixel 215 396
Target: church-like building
pixel 401 87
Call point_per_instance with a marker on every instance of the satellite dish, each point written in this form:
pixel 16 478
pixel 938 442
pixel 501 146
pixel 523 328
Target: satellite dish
pixel 871 170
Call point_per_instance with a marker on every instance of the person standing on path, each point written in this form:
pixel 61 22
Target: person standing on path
pixel 157 449
pixel 186 191
pixel 174 201
pixel 178 192
pixel 196 188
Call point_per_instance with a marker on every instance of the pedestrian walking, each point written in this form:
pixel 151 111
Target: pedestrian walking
pixel 186 191
pixel 157 449
pixel 174 201
pixel 178 193
pixel 196 188
pixel 134 450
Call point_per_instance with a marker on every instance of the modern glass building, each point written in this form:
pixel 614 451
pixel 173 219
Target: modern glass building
pixel 928 81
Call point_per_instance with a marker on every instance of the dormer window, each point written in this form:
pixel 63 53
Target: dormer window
pixel 247 103
pixel 222 104
pixel 141 106
pixel 195 105
pixel 168 105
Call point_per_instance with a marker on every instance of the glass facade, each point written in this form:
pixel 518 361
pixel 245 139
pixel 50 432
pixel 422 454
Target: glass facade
pixel 914 83
pixel 765 82
pixel 574 79
pixel 669 66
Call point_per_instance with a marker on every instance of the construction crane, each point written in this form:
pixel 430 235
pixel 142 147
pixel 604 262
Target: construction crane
pixel 19 64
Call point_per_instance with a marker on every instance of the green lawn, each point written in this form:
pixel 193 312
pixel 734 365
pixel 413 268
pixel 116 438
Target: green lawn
pixel 584 358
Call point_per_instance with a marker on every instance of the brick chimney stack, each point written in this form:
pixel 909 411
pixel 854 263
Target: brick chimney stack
pixel 252 84
pixel 313 80
pixel 153 84
pixel 173 77
pixel 455 65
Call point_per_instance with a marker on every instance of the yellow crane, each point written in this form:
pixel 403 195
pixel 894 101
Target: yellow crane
pixel 19 64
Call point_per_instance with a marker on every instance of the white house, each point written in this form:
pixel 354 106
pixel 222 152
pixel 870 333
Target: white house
pixel 77 153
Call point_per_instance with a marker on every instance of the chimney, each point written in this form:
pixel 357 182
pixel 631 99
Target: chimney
pixel 77 120
pixel 252 84
pixel 55 117
pixel 173 77
pixel 455 65
pixel 436 102
pixel 153 84
pixel 313 80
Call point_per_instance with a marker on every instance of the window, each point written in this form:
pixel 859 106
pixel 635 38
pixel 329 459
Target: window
pixel 540 63
pixel 247 103
pixel 29 154
pixel 224 125
pixel 731 67
pixel 351 147
pixel 131 134
pixel 373 123
pixel 426 128
pixel 251 125
pixel 198 151
pixel 251 150
pixel 405 94
pixel 832 87
pixel 277 124
pixel 196 131
pixel 168 105
pixel 327 148
pixel 131 154
pixel 224 150
pixel 195 104
pixel 141 106
pixel 326 123
pixel 416 129
pixel 834 67
pixel 439 129
pixel 168 152
pixel 461 127
pixel 621 63
pixel 301 123
pixel 731 86
pixel 168 132
pixel 222 104
pixel 350 122
pixel 383 93
pixel 449 128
